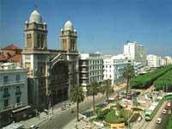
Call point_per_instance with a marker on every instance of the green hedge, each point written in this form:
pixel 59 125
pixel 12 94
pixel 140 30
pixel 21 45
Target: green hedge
pixel 164 82
pixel 146 80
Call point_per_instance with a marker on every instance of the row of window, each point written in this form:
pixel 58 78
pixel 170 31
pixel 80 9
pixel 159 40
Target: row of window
pixel 6 78
pixel 98 78
pixel 96 62
pixel 7 94
pixel 6 101
pixel 96 73
pixel 96 67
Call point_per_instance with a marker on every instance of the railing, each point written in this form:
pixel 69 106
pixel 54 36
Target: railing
pixel 7 107
pixel 11 82
pixel 18 93
pixel 6 95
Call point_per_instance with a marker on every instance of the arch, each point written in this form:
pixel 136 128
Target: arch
pixel 58 85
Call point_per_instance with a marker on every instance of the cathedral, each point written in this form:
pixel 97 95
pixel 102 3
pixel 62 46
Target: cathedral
pixel 51 73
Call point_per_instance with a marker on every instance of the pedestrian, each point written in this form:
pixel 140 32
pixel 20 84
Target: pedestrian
pixel 76 126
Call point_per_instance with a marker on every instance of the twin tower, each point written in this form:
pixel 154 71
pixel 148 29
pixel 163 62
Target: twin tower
pixel 51 73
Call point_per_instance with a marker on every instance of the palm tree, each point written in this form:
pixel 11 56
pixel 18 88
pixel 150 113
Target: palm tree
pixel 77 96
pixel 128 74
pixel 106 88
pixel 93 90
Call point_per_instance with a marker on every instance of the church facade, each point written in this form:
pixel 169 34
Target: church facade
pixel 51 73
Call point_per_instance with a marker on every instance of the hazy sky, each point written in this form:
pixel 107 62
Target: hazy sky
pixel 102 25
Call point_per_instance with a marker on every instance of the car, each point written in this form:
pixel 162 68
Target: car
pixel 159 120
pixel 34 127
pixel 164 111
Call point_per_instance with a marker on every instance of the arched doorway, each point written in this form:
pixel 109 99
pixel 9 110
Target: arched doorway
pixel 59 82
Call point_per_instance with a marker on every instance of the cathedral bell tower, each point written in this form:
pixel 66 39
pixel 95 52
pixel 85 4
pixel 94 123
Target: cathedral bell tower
pixel 68 40
pixel 35 32
pixel 35 58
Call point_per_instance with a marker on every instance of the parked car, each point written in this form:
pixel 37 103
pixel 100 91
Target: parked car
pixel 34 127
pixel 164 111
pixel 159 120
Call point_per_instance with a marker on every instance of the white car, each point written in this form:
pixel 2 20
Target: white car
pixel 164 111
pixel 159 120
pixel 34 127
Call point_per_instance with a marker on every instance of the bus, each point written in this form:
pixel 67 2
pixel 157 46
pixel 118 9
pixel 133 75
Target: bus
pixel 152 110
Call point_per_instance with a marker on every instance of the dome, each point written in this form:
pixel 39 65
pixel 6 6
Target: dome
pixel 35 17
pixel 68 26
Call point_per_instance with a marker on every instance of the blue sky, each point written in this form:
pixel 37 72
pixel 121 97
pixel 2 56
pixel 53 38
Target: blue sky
pixel 102 25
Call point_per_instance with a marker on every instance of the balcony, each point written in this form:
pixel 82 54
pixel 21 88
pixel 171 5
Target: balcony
pixel 7 107
pixel 84 71
pixel 18 93
pixel 6 95
pixel 84 77
pixel 12 82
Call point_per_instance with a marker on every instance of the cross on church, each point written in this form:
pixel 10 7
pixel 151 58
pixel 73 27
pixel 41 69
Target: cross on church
pixel 35 5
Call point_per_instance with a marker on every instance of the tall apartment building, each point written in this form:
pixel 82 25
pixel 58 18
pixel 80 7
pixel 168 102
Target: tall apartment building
pixel 135 52
pixel 51 73
pixel 114 67
pixel 90 68
pixel 13 92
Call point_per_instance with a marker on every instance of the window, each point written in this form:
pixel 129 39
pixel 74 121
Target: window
pixel 5 79
pixel 6 103
pixel 28 36
pixel 18 92
pixel 18 99
pixel 17 77
pixel 29 41
pixel 64 44
pixel 6 93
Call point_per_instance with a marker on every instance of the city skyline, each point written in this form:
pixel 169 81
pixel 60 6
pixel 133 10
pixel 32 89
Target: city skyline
pixel 102 26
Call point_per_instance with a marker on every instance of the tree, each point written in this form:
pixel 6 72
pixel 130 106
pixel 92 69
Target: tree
pixel 128 74
pixel 106 88
pixel 93 89
pixel 77 96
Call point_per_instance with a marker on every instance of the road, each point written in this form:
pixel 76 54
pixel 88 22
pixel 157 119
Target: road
pixel 60 120
pixel 152 124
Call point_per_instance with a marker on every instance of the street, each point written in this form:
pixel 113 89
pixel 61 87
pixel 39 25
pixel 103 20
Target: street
pixel 60 120
pixel 152 124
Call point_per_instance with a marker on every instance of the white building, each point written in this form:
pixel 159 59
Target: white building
pixel 114 67
pixel 13 90
pixel 135 52
pixel 163 61
pixel 153 61
pixel 90 68
pixel 168 60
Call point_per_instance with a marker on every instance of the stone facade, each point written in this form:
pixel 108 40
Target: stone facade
pixel 51 72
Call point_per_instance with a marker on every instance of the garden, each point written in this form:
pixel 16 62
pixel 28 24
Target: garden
pixel 112 113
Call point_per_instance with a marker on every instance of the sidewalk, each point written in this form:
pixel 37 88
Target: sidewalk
pixel 43 116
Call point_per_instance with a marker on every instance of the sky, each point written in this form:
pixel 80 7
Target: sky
pixel 102 25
